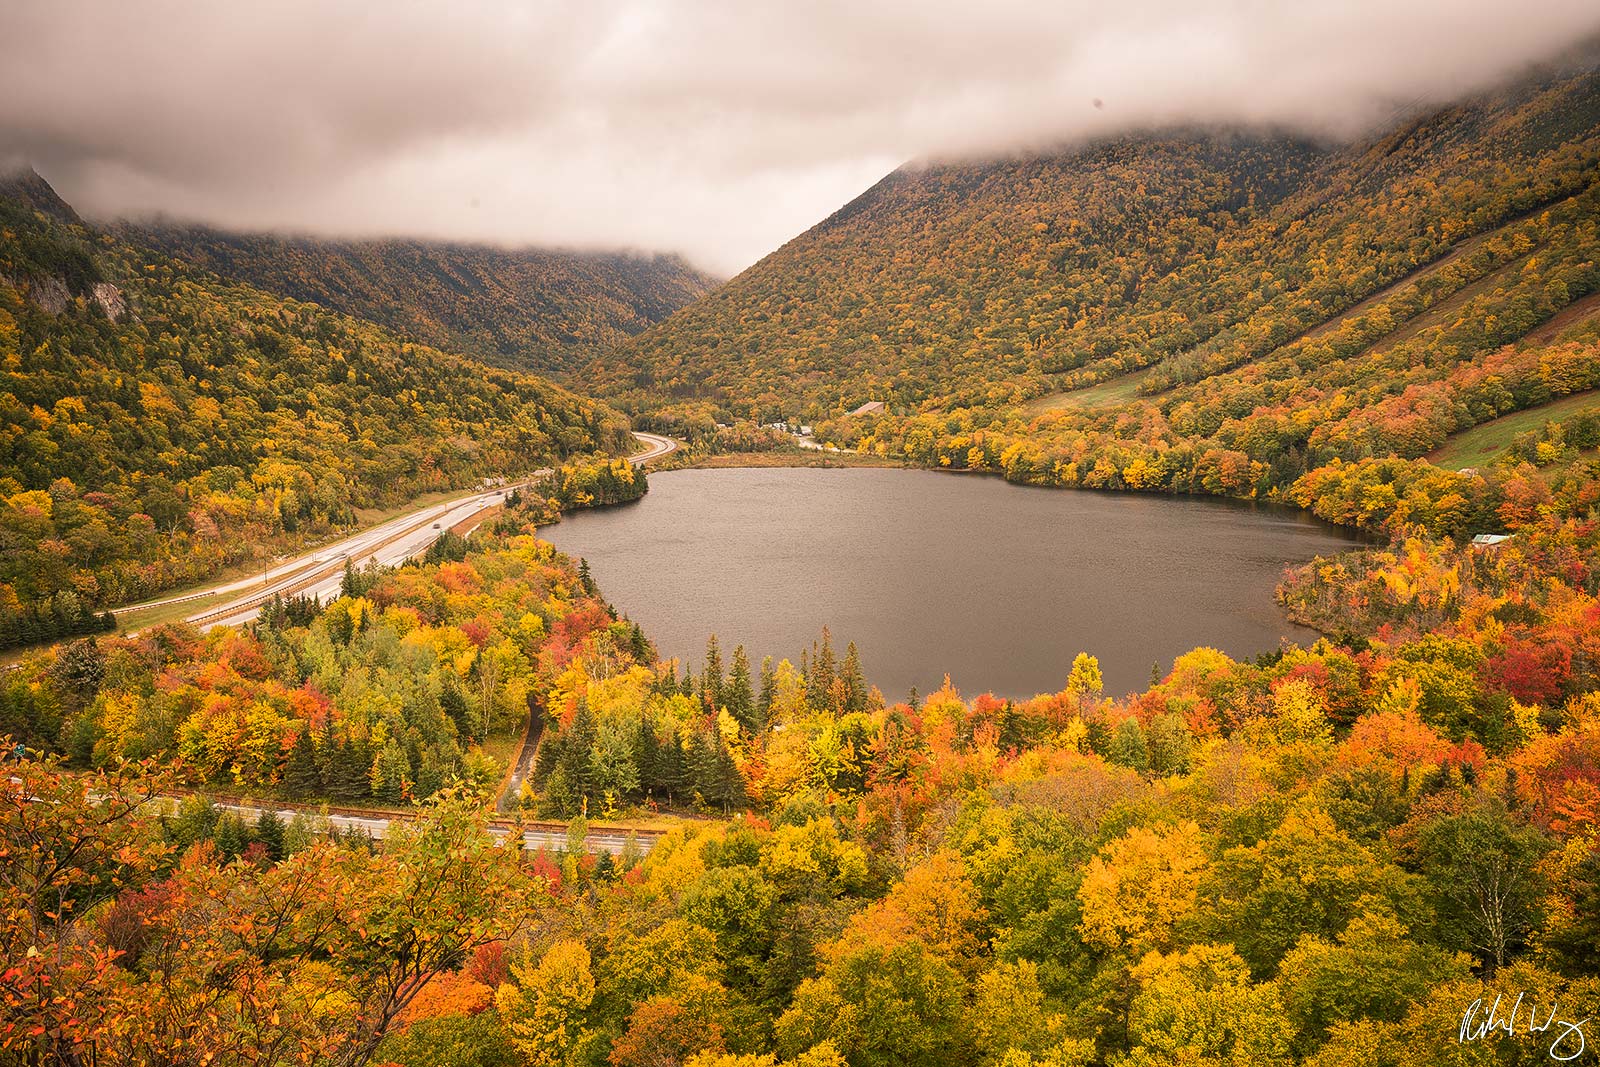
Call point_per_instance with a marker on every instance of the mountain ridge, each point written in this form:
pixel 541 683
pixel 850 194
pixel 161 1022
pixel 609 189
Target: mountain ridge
pixel 1132 235
pixel 158 422
pixel 531 308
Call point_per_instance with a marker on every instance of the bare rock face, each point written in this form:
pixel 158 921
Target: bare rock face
pixel 51 294
pixel 110 299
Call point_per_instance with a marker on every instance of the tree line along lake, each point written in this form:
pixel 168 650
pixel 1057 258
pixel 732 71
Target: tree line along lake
pixel 997 585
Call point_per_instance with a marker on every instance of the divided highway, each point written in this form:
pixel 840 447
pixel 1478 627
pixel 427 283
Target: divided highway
pixel 657 446
pixel 320 572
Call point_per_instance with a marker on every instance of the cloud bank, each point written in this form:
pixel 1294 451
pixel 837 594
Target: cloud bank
pixel 715 129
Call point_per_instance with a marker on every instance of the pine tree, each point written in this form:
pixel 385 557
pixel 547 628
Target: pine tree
pixel 712 681
pixel 647 756
pixel 231 836
pixel 300 777
pixel 453 702
pixel 638 644
pixel 672 768
pixel 769 690
pixel 739 701
pixel 547 757
pixel 729 782
pixel 819 681
pixel 855 684
pixel 703 770
pixel 349 771
pixel 577 755
pixel 269 831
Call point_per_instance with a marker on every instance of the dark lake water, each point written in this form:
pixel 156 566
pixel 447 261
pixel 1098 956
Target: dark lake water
pixel 997 585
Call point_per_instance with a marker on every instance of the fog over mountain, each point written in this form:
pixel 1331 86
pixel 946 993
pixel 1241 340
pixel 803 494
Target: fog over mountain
pixel 715 130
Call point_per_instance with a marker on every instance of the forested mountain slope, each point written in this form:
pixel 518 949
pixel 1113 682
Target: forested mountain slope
pixel 530 308
pixel 1190 311
pixel 157 422
pixel 989 282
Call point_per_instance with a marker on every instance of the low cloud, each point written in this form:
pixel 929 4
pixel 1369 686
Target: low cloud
pixel 714 129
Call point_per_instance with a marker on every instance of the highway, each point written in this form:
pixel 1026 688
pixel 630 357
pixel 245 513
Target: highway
pixel 658 447
pixel 320 572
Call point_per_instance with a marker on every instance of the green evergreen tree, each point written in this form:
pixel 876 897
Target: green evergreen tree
pixel 349 775
pixel 821 676
pixel 702 768
pixel 672 769
pixel 647 757
pixel 854 682
pixel 738 698
pixel 231 836
pixel 300 777
pixel 270 831
pixel 769 689
pixel 453 702
pixel 577 753
pixel 638 644
pixel 195 820
pixel 712 681
pixel 730 791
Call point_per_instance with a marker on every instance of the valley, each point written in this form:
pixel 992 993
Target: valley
pixel 319 574
pixel 1131 599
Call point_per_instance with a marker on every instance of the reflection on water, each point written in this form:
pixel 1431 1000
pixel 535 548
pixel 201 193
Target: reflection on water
pixel 929 573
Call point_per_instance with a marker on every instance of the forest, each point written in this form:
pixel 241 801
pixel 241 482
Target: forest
pixel 158 424
pixel 529 309
pixel 1187 312
pixel 1325 855
pixel 1184 251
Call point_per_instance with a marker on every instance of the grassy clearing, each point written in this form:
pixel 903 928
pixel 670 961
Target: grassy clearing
pixel 1480 445
pixel 1120 390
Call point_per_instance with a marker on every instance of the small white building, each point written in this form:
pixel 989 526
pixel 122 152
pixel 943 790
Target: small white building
pixel 1490 540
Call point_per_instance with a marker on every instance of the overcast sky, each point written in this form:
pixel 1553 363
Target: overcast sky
pixel 716 130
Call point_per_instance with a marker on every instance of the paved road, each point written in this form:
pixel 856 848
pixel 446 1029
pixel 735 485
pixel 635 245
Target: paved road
pixel 320 572
pixel 658 447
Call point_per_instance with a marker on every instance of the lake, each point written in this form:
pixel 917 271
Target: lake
pixel 997 585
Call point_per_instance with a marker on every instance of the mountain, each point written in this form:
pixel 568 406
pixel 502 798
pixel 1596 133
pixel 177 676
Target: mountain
pixel 1244 314
pixel 533 309
pixel 158 422
pixel 982 283
pixel 24 187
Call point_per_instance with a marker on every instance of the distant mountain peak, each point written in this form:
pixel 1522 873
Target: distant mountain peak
pixel 27 186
